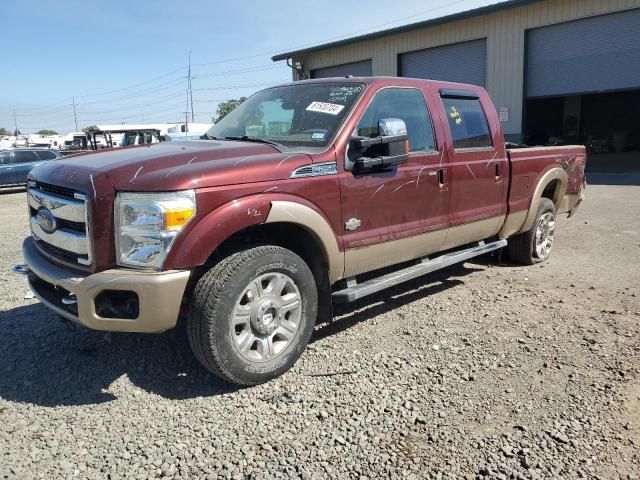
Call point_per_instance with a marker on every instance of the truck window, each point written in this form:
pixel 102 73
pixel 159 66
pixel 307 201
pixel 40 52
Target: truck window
pixel 407 104
pixel 300 114
pixel 468 123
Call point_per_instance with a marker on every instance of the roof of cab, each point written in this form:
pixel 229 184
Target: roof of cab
pixel 403 81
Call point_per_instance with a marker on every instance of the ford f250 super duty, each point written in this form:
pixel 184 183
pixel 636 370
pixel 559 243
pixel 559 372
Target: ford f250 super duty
pixel 307 194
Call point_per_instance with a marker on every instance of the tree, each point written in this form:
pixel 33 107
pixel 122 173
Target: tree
pixel 224 108
pixel 47 132
pixel 4 132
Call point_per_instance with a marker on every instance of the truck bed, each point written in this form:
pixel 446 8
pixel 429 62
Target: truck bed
pixel 529 164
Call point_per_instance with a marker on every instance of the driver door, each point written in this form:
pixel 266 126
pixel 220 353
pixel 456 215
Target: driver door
pixel 393 215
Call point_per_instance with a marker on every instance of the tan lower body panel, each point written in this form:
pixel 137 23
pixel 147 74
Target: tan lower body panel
pixel 380 255
pixel 159 293
pixel 472 232
pixel 372 257
pixel 513 223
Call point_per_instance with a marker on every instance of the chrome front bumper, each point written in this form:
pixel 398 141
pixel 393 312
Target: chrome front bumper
pixel 159 293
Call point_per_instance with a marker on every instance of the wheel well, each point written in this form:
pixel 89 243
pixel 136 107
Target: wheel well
pixel 287 235
pixel 551 190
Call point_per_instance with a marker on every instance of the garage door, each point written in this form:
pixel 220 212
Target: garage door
pixel 591 55
pixel 357 69
pixel 460 62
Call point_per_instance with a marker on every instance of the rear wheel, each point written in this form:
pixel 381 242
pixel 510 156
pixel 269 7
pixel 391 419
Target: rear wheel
pixel 252 314
pixel 535 245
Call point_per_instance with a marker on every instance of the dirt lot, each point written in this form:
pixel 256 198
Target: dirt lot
pixel 487 370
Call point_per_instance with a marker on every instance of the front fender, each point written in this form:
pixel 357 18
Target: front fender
pixel 202 240
pixel 284 210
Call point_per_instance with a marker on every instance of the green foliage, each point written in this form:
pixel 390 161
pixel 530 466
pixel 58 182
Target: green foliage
pixel 224 108
pixel 4 132
pixel 47 132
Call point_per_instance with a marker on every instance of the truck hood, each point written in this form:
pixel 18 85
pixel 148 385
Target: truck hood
pixel 174 166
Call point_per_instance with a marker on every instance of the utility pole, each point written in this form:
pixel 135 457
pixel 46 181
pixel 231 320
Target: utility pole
pixel 186 113
pixel 189 90
pixel 75 118
pixel 15 123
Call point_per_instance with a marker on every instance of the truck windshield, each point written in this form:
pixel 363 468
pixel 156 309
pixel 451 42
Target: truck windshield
pixel 307 114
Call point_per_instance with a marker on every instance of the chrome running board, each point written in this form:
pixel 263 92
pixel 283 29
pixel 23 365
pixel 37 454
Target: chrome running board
pixel 355 291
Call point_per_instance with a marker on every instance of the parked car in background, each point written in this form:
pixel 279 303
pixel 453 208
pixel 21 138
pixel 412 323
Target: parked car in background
pixel 15 163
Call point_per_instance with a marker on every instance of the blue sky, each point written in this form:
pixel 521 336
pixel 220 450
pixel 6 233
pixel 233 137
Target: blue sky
pixel 125 61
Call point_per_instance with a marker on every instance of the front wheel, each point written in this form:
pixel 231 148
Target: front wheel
pixel 252 314
pixel 535 245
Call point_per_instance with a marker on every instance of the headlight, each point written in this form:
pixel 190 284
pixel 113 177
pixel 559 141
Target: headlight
pixel 147 224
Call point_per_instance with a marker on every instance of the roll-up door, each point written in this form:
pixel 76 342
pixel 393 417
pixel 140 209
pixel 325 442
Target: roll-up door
pixel 357 69
pixel 459 62
pixel 584 56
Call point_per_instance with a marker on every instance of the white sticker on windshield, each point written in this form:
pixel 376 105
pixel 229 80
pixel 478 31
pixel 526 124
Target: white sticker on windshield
pixel 322 107
pixel 317 136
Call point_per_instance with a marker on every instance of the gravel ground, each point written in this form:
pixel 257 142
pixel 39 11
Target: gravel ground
pixel 487 370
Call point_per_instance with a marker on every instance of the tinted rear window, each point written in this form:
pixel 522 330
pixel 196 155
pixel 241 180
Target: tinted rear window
pixel 468 123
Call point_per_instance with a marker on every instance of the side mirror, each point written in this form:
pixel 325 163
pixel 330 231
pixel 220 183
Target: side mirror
pixel 389 148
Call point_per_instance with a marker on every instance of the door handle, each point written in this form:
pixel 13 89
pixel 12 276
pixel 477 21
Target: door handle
pixel 498 171
pixel 440 173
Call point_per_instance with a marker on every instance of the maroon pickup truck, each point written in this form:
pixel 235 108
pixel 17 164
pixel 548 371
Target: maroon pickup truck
pixel 307 194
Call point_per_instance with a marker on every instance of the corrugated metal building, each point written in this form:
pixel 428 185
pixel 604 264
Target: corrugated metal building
pixel 559 71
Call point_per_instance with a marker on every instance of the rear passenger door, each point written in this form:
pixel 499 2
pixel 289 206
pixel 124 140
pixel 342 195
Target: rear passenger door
pixel 479 168
pixel 23 162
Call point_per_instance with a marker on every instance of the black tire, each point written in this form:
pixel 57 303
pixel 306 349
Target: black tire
pixel 213 335
pixel 522 247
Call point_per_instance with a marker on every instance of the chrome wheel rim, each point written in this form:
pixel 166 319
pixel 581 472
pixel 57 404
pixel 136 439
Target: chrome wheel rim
pixel 266 317
pixel 545 231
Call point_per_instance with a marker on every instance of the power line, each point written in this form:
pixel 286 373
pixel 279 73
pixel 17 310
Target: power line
pixel 132 86
pixel 249 85
pixel 211 101
pixel 110 119
pixel 235 72
pixel 154 101
pixel 136 94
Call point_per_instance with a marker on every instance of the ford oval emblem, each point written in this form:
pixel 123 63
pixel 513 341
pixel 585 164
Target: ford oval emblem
pixel 46 220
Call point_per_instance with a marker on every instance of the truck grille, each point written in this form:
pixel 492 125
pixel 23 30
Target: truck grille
pixel 58 218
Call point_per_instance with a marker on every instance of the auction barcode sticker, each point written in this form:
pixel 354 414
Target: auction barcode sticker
pixel 322 107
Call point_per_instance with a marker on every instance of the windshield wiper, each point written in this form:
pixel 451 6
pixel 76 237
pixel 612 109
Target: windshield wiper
pixel 246 138
pixel 207 137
